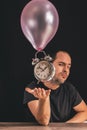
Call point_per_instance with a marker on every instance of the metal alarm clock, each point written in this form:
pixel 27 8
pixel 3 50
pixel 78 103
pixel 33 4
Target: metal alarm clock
pixel 43 68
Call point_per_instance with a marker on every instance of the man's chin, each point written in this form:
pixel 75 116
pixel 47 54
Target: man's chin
pixel 59 81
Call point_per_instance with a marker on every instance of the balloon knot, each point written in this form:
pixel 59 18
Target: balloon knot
pixel 39 49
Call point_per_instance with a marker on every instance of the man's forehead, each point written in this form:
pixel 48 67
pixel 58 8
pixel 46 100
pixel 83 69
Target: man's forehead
pixel 63 56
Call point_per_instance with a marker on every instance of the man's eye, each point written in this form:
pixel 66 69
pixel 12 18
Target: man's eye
pixel 60 64
pixel 69 67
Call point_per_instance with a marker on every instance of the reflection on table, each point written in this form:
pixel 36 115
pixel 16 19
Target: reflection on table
pixel 33 126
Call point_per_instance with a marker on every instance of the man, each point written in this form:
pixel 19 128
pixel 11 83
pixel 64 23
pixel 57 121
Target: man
pixel 56 100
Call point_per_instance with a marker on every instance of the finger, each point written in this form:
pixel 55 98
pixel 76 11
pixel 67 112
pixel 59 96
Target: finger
pixel 39 90
pixel 29 90
pixel 48 92
pixel 43 92
pixel 36 91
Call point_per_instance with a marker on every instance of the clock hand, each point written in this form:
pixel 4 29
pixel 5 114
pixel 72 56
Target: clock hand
pixel 41 68
pixel 44 68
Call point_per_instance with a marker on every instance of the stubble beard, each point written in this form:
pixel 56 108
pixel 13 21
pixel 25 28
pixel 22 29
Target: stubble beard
pixel 57 81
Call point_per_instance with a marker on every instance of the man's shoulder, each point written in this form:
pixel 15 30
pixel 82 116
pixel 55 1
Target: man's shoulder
pixel 35 84
pixel 32 84
pixel 68 85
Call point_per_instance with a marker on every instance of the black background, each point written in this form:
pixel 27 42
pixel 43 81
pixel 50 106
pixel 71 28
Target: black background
pixel 17 52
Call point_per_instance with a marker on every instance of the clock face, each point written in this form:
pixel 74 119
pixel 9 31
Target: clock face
pixel 44 70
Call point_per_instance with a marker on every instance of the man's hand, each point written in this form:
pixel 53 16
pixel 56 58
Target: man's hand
pixel 40 108
pixel 39 92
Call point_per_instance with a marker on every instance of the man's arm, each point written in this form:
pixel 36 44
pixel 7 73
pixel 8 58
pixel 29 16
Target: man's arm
pixel 40 108
pixel 81 115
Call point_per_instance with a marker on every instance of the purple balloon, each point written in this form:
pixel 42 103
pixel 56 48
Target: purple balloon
pixel 39 23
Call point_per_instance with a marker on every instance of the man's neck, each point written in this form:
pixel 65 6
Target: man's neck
pixel 51 85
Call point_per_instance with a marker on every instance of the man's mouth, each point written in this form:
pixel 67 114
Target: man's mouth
pixel 64 75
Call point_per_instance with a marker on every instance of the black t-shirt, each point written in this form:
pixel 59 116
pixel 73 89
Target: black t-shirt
pixel 62 101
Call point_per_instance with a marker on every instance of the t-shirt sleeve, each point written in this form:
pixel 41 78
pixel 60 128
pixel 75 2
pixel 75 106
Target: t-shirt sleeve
pixel 75 96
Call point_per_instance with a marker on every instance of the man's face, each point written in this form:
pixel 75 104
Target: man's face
pixel 62 65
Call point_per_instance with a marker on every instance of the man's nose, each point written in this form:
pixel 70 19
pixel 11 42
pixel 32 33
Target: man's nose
pixel 65 68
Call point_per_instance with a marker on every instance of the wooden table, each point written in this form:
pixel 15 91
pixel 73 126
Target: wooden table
pixel 51 126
